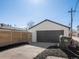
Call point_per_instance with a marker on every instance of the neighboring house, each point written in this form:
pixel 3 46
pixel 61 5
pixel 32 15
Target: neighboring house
pixel 76 34
pixel 9 27
pixel 48 31
pixel 2 25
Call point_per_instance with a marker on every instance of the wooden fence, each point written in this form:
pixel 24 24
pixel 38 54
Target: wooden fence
pixel 13 36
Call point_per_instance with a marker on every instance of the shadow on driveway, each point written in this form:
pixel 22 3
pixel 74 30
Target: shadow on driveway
pixel 43 44
pixel 12 46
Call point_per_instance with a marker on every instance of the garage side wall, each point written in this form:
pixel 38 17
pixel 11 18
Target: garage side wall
pixel 47 26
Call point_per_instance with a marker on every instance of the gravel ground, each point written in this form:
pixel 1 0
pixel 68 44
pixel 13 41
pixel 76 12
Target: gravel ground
pixel 51 52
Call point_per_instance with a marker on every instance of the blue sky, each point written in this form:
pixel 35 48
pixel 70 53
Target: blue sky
pixel 20 12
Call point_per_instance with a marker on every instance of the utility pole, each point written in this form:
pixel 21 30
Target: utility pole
pixel 71 26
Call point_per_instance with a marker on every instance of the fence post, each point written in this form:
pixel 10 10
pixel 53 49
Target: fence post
pixel 11 36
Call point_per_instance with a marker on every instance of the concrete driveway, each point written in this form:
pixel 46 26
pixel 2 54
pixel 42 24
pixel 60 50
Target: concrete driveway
pixel 22 52
pixel 43 44
pixel 25 51
pixel 53 57
pixel 76 38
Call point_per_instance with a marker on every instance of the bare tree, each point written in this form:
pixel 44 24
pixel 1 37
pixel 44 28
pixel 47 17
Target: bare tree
pixel 30 24
pixel 78 28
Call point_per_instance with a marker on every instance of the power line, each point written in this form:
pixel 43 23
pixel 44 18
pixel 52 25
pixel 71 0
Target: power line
pixel 76 5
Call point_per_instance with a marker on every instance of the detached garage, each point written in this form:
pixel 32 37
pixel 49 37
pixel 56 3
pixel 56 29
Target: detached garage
pixel 48 31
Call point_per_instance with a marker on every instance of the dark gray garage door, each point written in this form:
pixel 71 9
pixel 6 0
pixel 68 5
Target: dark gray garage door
pixel 49 36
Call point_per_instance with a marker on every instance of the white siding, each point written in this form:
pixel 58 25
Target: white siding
pixel 47 26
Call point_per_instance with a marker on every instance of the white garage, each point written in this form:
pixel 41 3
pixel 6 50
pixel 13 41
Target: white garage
pixel 48 31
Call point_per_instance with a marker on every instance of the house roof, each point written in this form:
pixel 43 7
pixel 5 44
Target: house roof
pixel 51 22
pixel 13 28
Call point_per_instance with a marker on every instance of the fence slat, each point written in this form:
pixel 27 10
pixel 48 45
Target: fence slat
pixel 12 36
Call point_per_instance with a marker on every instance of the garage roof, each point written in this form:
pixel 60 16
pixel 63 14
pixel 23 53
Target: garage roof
pixel 49 21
